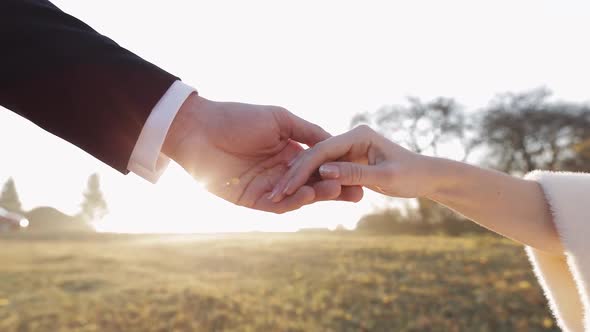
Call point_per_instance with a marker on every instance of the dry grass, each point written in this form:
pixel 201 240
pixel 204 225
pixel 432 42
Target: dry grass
pixel 258 282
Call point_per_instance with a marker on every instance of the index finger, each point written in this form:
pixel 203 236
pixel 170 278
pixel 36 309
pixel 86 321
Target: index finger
pixel 306 163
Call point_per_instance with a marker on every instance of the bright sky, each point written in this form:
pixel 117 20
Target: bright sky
pixel 323 60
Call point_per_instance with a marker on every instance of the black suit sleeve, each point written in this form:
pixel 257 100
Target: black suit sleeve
pixel 72 81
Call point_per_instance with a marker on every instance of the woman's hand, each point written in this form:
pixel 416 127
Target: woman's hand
pixel 360 157
pixel 510 206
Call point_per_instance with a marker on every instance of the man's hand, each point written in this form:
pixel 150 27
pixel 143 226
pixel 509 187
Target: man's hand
pixel 240 151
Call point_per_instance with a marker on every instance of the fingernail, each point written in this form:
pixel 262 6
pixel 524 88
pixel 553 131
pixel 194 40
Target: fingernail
pixel 287 188
pixel 330 171
pixel 291 162
pixel 277 198
pixel 274 193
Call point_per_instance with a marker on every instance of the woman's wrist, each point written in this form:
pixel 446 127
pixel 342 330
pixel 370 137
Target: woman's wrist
pixel 444 178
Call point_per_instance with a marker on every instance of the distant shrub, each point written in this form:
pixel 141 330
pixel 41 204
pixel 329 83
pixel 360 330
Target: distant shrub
pixel 440 221
pixel 48 219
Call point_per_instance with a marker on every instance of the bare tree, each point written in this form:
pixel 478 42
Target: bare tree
pixel 424 127
pixel 517 133
pixel 528 131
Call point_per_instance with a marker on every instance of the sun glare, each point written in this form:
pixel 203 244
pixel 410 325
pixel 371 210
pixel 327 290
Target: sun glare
pixel 347 59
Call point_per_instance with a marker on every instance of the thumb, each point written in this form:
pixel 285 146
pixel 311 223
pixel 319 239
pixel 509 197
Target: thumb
pixel 300 130
pixel 352 174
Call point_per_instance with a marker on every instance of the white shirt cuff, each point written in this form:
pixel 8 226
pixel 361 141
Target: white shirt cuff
pixel 147 159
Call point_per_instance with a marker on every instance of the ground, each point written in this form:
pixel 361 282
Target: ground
pixel 267 282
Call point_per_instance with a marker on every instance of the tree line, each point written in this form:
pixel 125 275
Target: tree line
pixel 515 133
pixel 93 207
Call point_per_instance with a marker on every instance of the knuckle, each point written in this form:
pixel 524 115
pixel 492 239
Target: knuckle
pixel 364 129
pixel 357 175
pixel 354 174
pixel 280 113
pixel 279 109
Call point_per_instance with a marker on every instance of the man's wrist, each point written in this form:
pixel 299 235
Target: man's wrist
pixel 147 159
pixel 182 125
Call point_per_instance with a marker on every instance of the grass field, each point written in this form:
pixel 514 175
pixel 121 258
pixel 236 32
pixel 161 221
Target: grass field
pixel 261 282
